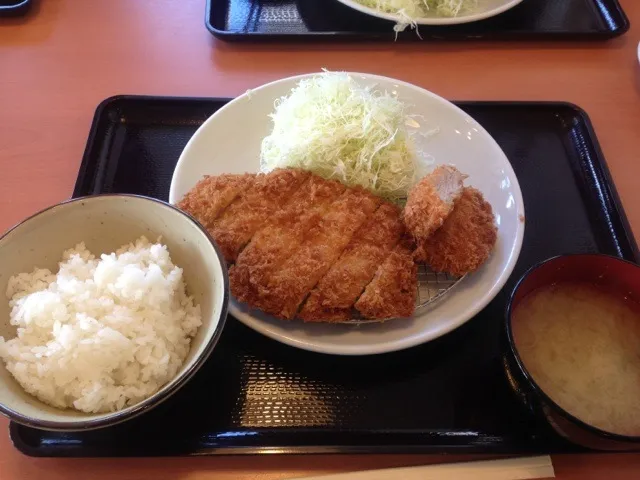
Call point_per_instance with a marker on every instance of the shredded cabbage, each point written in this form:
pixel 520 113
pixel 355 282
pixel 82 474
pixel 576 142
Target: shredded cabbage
pixel 335 128
pixel 411 10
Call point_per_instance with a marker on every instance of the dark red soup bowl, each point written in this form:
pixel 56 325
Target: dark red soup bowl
pixel 614 275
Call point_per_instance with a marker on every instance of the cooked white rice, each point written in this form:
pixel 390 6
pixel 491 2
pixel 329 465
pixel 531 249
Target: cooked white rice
pixel 101 334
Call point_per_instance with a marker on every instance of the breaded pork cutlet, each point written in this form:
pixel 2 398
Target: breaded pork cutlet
pixel 333 298
pixel 243 218
pixel 392 292
pixel 213 194
pixel 466 239
pixel 323 245
pixel 284 232
pixel 431 201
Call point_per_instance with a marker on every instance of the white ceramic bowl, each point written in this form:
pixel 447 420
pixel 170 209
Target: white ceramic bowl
pixel 485 9
pixel 105 223
pixel 221 146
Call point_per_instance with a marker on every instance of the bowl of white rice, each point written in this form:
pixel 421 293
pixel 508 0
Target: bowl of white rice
pixel 108 305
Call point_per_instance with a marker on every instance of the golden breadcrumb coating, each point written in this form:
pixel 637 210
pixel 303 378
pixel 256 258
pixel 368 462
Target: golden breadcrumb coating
pixel 466 239
pixel 213 194
pixel 392 292
pixel 333 298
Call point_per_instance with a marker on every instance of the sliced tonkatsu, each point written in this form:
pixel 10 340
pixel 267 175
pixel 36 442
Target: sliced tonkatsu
pixel 392 292
pixel 303 246
pixel 333 298
pixel 431 201
pixel 300 245
pixel 466 239
pixel 324 243
pixel 243 218
pixel 271 246
pixel 213 194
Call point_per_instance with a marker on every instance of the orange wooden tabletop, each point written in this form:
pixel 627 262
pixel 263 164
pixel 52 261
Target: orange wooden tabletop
pixel 58 63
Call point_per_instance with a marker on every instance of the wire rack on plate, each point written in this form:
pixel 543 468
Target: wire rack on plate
pixel 432 286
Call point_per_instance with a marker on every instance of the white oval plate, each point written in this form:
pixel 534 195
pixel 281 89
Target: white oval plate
pixel 485 9
pixel 229 142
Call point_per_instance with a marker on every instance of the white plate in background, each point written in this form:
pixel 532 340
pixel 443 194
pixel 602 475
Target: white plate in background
pixel 485 9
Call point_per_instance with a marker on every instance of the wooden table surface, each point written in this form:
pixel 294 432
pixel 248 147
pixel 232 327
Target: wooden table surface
pixel 58 63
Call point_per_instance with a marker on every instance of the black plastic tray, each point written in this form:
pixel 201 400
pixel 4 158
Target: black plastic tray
pixel 330 20
pixel 257 395
pixel 12 8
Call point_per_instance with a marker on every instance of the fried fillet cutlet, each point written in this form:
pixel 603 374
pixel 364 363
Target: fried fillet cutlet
pixel 212 195
pixel 269 193
pixel 392 292
pixel 323 245
pixel 466 239
pixel 431 201
pixel 273 244
pixel 333 298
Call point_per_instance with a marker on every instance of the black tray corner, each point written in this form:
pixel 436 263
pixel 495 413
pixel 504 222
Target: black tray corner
pixel 98 116
pixel 14 8
pixel 589 148
pixel 19 443
pixel 216 32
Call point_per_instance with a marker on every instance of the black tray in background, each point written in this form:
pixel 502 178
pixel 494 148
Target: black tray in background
pixel 13 8
pixel 256 395
pixel 330 20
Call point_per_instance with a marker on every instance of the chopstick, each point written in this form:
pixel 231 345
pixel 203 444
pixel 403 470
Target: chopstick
pixel 508 469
